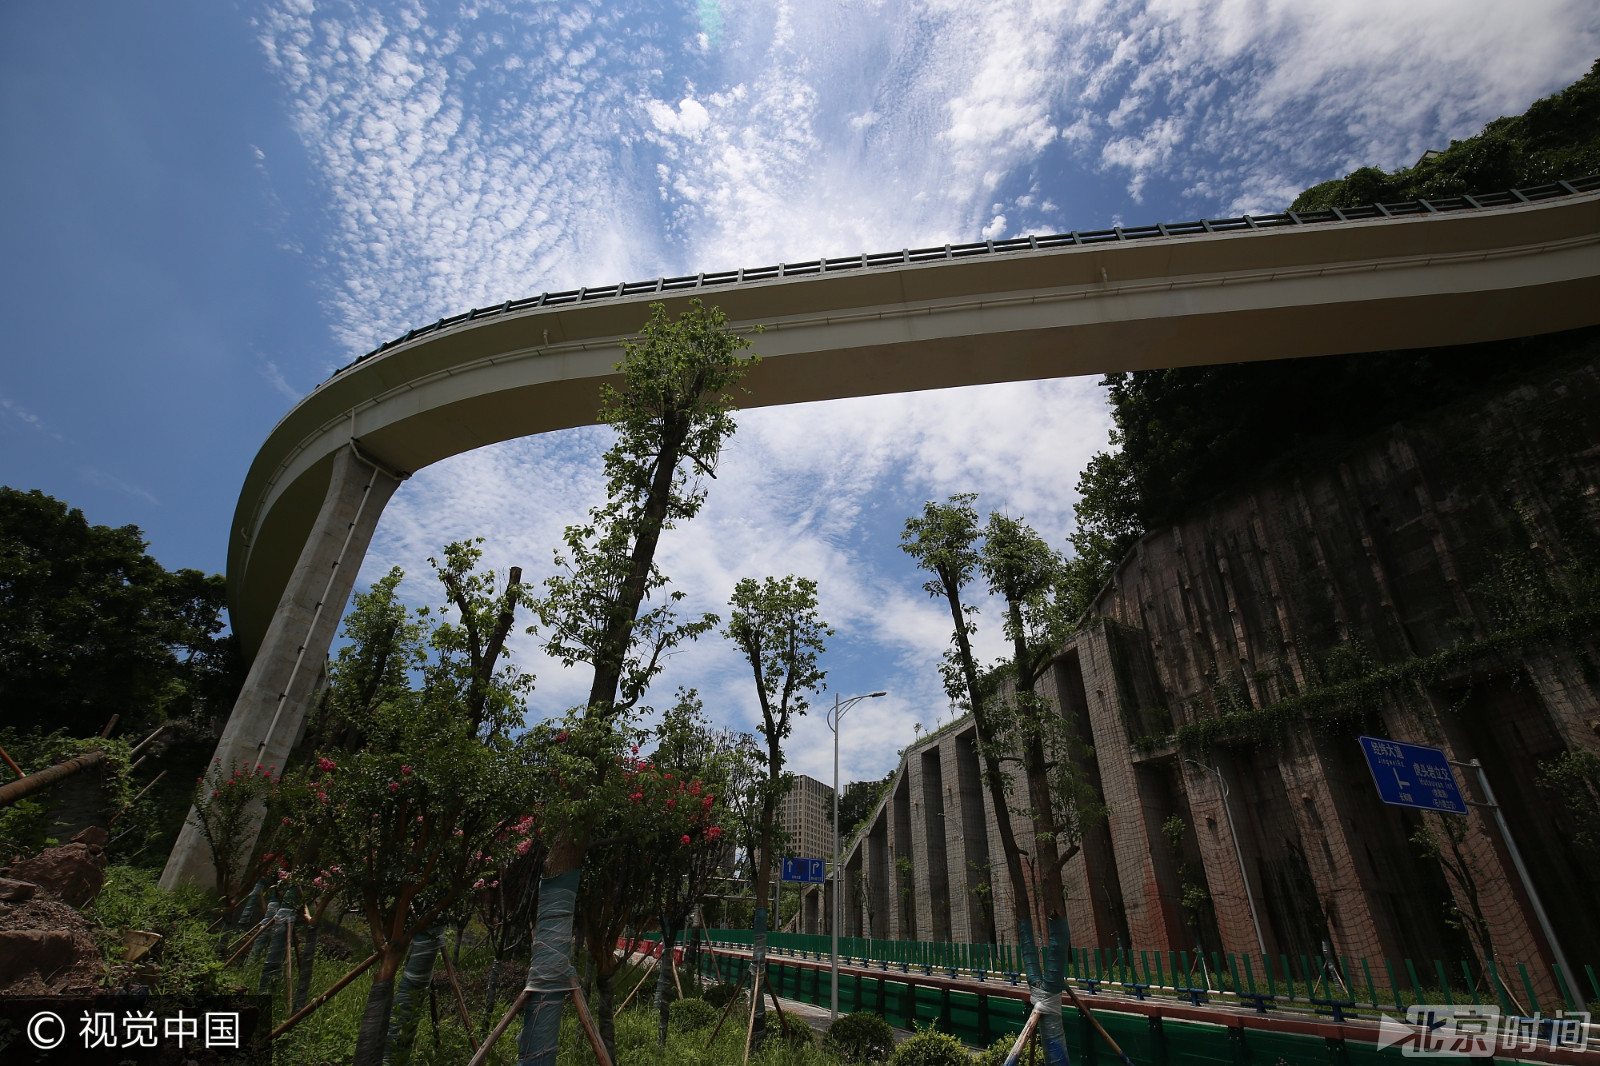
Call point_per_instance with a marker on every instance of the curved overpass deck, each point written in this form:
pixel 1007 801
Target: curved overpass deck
pixel 1114 300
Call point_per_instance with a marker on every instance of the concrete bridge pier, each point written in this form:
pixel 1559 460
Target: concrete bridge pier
pixel 277 692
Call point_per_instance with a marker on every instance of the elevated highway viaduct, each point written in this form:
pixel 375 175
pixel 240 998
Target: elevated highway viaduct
pixel 1379 278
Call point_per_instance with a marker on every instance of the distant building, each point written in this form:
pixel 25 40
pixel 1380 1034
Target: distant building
pixel 807 817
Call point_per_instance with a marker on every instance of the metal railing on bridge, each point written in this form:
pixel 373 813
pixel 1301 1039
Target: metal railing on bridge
pixel 906 256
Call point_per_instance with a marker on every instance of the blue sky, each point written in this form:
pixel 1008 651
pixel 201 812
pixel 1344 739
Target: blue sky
pixel 209 207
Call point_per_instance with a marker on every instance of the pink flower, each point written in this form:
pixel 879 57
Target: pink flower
pixel 322 796
pixel 405 769
pixel 714 832
pixel 522 848
pixel 561 737
pixel 637 796
pixel 705 804
pixel 326 765
pixel 215 793
pixel 671 803
pixel 684 840
pixel 286 821
pixel 394 786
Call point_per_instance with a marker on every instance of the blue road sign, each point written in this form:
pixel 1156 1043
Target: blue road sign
pixel 810 871
pixel 1411 775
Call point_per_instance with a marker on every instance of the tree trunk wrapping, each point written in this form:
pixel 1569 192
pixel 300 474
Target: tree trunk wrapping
pixel 550 973
pixel 1046 983
pixel 372 1037
pixel 414 981
pixel 758 961
pixel 277 942
pixel 271 945
pixel 669 937
pixel 308 957
pixel 491 990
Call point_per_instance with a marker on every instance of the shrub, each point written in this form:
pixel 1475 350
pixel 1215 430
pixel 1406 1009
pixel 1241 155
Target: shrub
pixel 719 995
pixel 687 1015
pixel 995 1054
pixel 860 1037
pixel 929 1047
pixel 800 1032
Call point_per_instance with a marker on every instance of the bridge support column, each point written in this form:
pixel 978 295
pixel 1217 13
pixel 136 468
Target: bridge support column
pixel 277 692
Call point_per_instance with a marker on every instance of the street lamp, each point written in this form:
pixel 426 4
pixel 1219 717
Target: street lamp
pixel 834 714
pixel 1244 874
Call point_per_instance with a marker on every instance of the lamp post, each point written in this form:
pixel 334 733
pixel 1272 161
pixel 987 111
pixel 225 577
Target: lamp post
pixel 836 713
pixel 1244 875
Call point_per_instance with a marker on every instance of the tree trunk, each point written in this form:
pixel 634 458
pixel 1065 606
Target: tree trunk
pixel 415 979
pixel 605 1012
pixel 373 1035
pixel 1051 1031
pixel 491 992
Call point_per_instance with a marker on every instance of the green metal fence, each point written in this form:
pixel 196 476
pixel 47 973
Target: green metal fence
pixel 1335 985
pixel 978 1018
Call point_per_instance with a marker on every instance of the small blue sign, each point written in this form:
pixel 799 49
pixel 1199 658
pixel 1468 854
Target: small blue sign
pixel 1411 775
pixel 809 871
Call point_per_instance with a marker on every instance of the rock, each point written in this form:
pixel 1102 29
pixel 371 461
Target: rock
pixel 46 952
pixel 73 872
pixel 16 891
pixel 94 836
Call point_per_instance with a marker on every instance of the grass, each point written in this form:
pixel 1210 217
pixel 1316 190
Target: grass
pixel 327 1037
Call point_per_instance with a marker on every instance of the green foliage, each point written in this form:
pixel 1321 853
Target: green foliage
pixel 719 995
pixel 689 1015
pixel 862 1037
pixel 1185 434
pixel 859 800
pixel 91 626
pixel 1575 778
pixel 1557 137
pixel 929 1047
pixel 25 827
pixel 384 644
pixel 187 955
pixel 995 1054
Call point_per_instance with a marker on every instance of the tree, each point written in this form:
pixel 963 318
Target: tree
pixel 1557 137
pixel 91 626
pixel 776 627
pixel 943 541
pixel 1032 579
pixel 408 824
pixel 671 416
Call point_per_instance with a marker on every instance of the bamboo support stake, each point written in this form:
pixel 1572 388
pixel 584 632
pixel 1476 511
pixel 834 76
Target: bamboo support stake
pixel 461 1000
pixel 106 732
pixel 332 990
pixel 783 1019
pixel 725 1012
pixel 248 940
pixel 1076 1002
pixel 755 1001
pixel 588 1025
pixel 136 799
pixel 499 1030
pixel 647 971
pixel 11 763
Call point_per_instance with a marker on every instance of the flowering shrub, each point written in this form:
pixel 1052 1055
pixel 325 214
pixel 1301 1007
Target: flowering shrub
pixel 417 818
pixel 227 806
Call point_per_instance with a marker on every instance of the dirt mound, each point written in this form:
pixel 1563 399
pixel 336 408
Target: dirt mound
pixel 47 948
pixel 75 872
